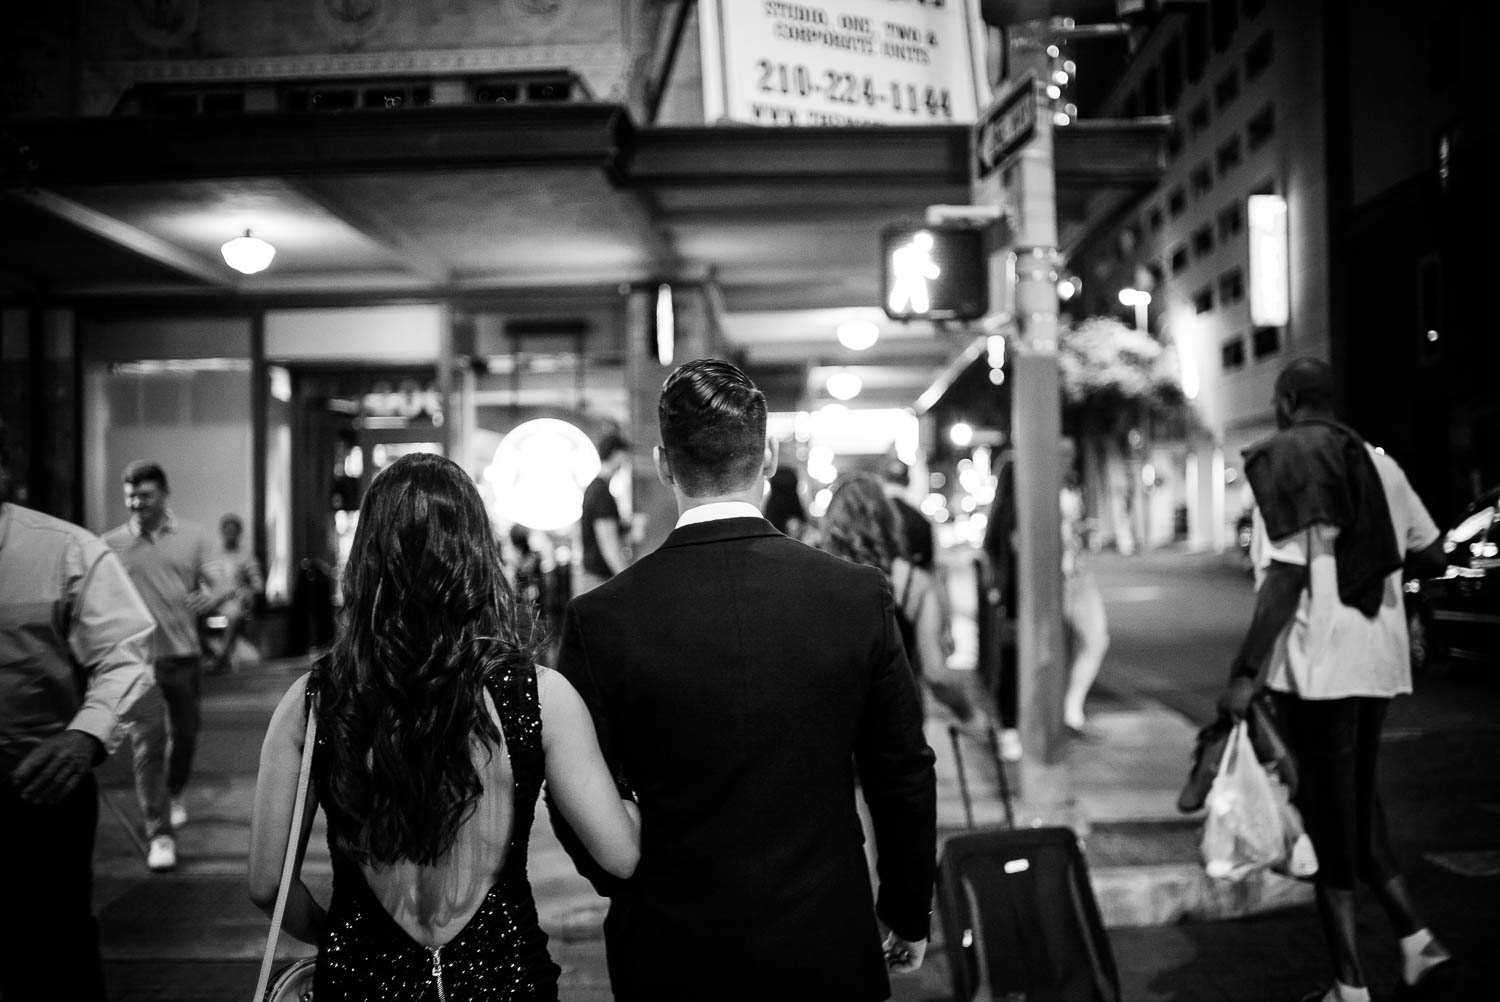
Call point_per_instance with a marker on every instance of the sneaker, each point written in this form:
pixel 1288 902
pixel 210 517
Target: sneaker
pixel 178 813
pixel 163 854
pixel 1010 744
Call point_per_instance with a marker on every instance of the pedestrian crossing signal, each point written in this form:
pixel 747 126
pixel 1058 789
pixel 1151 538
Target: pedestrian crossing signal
pixel 933 273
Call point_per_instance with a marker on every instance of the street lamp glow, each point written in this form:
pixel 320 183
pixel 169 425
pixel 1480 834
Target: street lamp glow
pixel 1135 297
pixel 857 335
pixel 247 254
pixel 961 434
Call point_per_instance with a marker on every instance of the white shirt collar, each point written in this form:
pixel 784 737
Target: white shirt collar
pixel 718 510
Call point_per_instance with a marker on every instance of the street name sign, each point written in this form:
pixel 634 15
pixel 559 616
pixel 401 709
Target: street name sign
pixel 1005 126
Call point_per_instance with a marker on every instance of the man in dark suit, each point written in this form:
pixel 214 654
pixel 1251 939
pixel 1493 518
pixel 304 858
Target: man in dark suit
pixel 740 682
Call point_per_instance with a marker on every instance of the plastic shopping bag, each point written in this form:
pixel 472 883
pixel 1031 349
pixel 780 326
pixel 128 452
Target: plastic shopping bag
pixel 1300 860
pixel 1244 830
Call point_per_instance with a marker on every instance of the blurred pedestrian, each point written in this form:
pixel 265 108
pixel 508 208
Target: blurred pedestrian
pixel 919 541
pixel 1335 521
pixel 436 730
pixel 75 647
pixel 861 526
pixel 604 534
pixel 997 607
pixel 524 565
pixel 1083 605
pixel 241 572
pixel 740 681
pixel 783 505
pixel 174 564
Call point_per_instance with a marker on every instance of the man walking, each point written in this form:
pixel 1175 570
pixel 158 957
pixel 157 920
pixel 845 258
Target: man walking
pixel 74 647
pixel 1334 521
pixel 241 573
pixel 741 682
pixel 603 534
pixel 174 567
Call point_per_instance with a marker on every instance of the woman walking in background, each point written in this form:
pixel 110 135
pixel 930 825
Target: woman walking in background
pixel 860 526
pixel 436 728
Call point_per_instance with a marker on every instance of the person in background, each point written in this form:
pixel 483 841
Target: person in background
pixel 1083 605
pixel 783 507
pixel 75 649
pixel 525 567
pixel 436 729
pixel 242 573
pixel 1335 521
pixel 997 571
pixel 918 541
pixel 604 534
pixel 861 526
pixel 174 565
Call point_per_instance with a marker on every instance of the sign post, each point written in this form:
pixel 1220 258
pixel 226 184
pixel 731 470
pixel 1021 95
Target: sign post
pixel 1014 164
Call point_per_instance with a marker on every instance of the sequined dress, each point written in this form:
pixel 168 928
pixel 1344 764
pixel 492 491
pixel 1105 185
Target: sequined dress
pixel 500 954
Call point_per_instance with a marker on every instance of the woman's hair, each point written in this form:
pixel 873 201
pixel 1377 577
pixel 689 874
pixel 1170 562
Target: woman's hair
pixel 860 524
pixel 427 618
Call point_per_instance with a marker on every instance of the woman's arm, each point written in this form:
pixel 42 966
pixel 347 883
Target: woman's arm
pixel 271 818
pixel 579 782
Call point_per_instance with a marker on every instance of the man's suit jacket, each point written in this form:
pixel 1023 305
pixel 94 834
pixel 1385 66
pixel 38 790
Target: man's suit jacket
pixel 740 680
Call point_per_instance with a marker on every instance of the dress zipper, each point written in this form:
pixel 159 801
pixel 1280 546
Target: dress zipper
pixel 437 971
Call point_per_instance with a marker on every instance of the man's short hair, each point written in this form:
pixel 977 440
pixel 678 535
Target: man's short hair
pixel 232 518
pixel 143 470
pixel 896 472
pixel 713 427
pixel 611 443
pixel 1307 382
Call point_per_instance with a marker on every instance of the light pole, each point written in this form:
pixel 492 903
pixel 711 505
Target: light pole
pixel 1140 299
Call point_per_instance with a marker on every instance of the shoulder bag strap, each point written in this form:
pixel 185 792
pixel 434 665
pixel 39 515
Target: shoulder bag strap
pixel 289 865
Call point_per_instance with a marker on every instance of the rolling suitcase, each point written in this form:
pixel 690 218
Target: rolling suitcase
pixel 1018 912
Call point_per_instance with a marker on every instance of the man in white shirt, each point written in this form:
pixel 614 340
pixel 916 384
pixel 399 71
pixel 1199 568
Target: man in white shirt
pixel 1335 519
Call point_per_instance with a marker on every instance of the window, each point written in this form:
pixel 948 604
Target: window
pixel 1260 129
pixel 1258 56
pixel 1179 259
pixel 1224 14
pixel 1203 241
pixel 1202 179
pixel 1232 354
pixel 1198 119
pixel 1177 202
pixel 1231 222
pixel 1203 300
pixel 1231 287
pixel 1228 156
pixel 1266 341
pixel 1227 89
pixel 1171 74
pixel 1154 220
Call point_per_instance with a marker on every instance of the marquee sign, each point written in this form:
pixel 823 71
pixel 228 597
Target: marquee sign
pixel 844 62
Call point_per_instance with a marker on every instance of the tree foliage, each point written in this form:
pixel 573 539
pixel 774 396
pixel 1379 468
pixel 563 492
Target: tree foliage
pixel 1114 377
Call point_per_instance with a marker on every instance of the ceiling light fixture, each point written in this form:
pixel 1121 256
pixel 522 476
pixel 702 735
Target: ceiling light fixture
pixel 844 385
pixel 857 335
pixel 247 254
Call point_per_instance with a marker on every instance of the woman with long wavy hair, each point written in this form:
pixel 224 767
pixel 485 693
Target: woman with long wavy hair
pixel 860 526
pixel 436 728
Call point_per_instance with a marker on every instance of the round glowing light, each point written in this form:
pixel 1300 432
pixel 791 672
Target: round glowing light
pixel 539 472
pixel 1053 51
pixel 857 335
pixel 1432 336
pixel 247 254
pixel 1066 289
pixel 961 434
pixel 1061 78
pixel 844 385
pixel 1069 66
pixel 1054 91
pixel 997 377
pixel 1061 118
pixel 1135 297
pixel 932 502
pixel 820 502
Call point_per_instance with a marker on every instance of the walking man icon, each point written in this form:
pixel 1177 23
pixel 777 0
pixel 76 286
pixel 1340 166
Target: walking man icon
pixel 913 267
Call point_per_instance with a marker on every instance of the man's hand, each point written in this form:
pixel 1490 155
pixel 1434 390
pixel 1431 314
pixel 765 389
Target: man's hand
pixel 198 602
pixel 55 766
pixel 1237 696
pixel 902 956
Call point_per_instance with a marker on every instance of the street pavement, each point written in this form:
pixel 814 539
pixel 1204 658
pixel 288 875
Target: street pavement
pixel 1175 620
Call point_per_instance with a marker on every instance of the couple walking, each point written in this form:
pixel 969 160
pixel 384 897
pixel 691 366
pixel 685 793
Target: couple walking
pixel 714 707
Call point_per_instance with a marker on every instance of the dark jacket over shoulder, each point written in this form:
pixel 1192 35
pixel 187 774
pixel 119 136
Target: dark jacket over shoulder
pixel 740 680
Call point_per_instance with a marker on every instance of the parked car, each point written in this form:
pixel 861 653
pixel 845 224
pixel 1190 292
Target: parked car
pixel 1457 614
